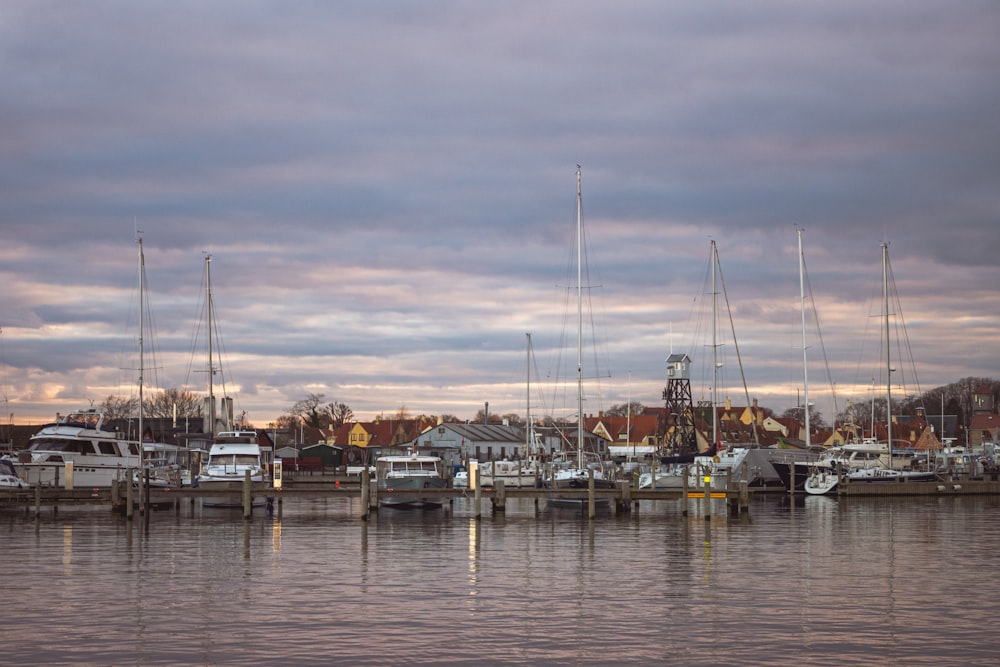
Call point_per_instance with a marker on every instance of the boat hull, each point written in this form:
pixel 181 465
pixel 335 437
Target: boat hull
pixel 410 492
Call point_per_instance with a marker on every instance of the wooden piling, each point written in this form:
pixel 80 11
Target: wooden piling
pixel 591 501
pixel 366 498
pixel 247 496
pixel 478 494
pixel 500 495
pixel 706 486
pixel 625 500
pixel 129 502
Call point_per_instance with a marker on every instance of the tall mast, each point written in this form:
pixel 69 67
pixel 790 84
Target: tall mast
pixel 210 413
pixel 715 349
pixel 579 318
pixel 142 308
pixel 888 364
pixel 529 440
pixel 802 309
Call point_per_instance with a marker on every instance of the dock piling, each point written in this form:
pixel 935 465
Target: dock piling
pixel 591 501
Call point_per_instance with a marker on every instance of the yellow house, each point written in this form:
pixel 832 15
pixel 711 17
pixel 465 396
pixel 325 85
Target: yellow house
pixel 359 436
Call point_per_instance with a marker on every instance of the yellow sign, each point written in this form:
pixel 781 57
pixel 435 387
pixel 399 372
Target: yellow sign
pixel 276 474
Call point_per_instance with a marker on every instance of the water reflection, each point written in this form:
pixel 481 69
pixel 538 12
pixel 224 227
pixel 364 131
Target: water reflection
pixel 814 581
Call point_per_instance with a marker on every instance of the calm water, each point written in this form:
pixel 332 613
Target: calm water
pixel 817 582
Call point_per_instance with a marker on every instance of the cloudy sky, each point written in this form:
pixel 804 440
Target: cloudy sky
pixel 388 194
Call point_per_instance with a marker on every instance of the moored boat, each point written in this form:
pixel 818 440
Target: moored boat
pixel 98 455
pixel 9 479
pixel 511 473
pixel 232 456
pixel 403 480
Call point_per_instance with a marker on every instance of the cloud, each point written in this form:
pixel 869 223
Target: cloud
pixel 388 191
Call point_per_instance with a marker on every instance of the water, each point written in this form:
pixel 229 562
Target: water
pixel 902 581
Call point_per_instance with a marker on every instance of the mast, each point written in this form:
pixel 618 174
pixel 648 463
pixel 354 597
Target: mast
pixel 142 308
pixel 715 348
pixel 579 319
pixel 888 364
pixel 628 415
pixel 210 412
pixel 802 309
pixel 529 440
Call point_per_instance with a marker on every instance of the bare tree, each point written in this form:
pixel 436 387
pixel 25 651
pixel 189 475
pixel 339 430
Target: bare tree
pixel 623 409
pixel 513 419
pixel 118 407
pixel 309 410
pixel 339 414
pixel 481 417
pixel 163 404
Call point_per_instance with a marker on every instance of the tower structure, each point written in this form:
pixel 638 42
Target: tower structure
pixel 679 430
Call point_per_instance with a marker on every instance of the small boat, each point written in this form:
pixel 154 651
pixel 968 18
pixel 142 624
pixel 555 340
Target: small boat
pixel 99 455
pixel 169 465
pixel 672 476
pixel 511 473
pixel 9 479
pixel 891 475
pixel 231 457
pixel 822 475
pixel 821 481
pixel 401 480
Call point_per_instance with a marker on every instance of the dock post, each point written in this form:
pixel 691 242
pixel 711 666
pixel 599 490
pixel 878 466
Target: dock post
pixel 625 501
pixel 145 493
pixel 499 496
pixel 38 500
pixel 366 498
pixel 744 496
pixel 591 504
pixel 247 496
pixel 479 492
pixel 129 503
pixel 706 486
pixel 686 476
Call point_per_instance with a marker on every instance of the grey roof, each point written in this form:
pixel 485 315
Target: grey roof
pixel 488 432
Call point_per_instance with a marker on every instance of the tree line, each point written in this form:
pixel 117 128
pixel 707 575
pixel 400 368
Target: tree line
pixel 314 411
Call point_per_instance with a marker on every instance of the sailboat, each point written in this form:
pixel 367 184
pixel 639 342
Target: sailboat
pixel 792 469
pixel 688 465
pixel 85 442
pixel 868 461
pixel 234 453
pixel 517 473
pixel 570 474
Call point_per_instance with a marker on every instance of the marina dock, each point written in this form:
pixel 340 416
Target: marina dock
pixel 126 498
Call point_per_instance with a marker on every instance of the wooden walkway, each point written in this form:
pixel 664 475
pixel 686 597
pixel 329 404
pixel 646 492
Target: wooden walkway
pixel 126 499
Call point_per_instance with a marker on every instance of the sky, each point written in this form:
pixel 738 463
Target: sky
pixel 387 192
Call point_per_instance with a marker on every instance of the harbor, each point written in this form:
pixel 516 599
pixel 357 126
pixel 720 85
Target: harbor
pixel 734 492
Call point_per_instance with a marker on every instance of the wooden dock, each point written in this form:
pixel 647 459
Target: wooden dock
pixel 126 498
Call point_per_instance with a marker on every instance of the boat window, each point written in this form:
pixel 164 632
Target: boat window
pixel 108 448
pixel 245 459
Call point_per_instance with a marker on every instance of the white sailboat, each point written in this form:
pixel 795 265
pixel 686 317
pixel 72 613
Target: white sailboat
pixel 869 461
pixel 234 453
pixel 569 473
pixel 83 443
